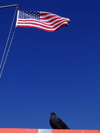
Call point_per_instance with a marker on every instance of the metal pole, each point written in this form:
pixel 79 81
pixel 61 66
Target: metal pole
pixel 9 6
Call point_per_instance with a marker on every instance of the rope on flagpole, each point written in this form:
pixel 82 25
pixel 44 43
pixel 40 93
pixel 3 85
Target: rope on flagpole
pixel 7 53
pixel 7 39
pixel 3 61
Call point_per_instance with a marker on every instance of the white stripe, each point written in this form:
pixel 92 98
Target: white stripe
pixel 44 131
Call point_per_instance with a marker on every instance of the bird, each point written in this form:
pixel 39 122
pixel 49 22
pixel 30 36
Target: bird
pixel 56 122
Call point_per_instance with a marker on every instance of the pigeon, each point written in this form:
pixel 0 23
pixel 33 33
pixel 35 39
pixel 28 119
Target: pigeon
pixel 56 122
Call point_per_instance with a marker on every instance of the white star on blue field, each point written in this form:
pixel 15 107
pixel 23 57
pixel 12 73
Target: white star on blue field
pixel 51 71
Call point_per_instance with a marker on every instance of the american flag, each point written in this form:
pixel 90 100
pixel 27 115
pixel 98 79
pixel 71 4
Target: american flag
pixel 41 20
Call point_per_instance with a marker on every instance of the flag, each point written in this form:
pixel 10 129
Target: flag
pixel 41 20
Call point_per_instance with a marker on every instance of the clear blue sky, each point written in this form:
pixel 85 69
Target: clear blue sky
pixel 58 71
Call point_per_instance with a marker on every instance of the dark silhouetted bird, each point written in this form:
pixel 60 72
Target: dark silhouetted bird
pixel 56 122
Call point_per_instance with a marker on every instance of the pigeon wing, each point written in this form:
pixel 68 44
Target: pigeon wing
pixel 62 124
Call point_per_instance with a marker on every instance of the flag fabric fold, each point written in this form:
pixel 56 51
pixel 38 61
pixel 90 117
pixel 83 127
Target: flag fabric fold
pixel 41 20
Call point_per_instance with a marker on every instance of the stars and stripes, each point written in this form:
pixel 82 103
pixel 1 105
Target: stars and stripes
pixel 41 20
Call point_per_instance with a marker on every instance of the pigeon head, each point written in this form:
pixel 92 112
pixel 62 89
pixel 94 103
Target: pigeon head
pixel 51 114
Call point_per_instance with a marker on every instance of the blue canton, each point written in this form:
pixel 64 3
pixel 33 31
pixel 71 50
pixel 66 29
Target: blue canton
pixel 29 15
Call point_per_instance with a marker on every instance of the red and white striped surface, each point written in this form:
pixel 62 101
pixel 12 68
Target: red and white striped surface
pixel 21 130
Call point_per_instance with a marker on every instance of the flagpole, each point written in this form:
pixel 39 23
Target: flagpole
pixel 9 6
